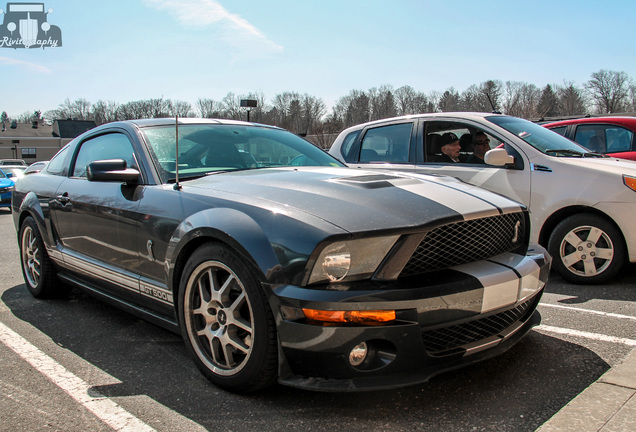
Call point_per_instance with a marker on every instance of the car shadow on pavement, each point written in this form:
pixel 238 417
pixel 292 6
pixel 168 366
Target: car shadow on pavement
pixel 622 288
pixel 518 390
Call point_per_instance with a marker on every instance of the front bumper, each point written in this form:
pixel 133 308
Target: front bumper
pixel 445 320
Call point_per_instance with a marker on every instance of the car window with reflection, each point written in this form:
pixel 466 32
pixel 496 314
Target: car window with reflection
pixel 57 164
pixel 539 137
pixel 604 138
pixel 104 147
pixel 389 143
pixel 206 149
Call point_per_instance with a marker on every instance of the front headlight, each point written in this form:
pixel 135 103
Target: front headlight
pixel 351 259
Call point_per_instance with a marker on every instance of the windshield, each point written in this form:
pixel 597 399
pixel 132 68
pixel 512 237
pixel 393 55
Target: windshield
pixel 212 148
pixel 13 172
pixel 542 139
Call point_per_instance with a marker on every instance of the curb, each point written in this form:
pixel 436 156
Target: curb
pixel 607 405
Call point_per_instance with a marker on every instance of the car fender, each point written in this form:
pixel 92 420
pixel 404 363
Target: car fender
pixel 30 206
pixel 233 227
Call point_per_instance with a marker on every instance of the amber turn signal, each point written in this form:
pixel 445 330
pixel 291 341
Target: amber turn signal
pixel 369 317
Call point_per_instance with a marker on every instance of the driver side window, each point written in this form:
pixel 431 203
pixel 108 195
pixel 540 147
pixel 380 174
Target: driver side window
pixel 451 142
pixel 103 147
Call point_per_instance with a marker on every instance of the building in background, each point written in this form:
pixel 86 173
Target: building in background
pixel 37 141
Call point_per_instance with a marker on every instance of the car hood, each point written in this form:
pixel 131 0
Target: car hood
pixel 5 182
pixel 611 165
pixel 357 200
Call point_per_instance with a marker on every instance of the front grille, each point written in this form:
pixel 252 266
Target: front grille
pixel 440 341
pixel 466 242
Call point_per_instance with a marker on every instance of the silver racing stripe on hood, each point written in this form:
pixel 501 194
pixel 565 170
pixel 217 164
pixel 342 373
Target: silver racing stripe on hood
pixel 475 202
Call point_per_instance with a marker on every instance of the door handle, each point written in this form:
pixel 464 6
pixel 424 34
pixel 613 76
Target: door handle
pixel 63 199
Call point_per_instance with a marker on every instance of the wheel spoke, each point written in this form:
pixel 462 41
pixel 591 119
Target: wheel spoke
pixel 570 260
pixel 594 235
pixel 605 253
pixel 225 289
pixel 572 239
pixel 590 267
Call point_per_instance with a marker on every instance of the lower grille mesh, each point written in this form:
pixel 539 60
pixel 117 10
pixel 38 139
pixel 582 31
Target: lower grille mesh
pixel 445 339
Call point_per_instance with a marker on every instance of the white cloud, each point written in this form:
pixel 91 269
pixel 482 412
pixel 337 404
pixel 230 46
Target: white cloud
pixel 234 30
pixel 31 67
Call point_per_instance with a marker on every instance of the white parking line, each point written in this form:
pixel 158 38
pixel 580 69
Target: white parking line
pixel 586 335
pixel 607 314
pixel 102 407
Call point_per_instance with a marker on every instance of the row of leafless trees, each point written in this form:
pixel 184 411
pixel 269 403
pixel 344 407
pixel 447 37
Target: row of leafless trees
pixel 606 92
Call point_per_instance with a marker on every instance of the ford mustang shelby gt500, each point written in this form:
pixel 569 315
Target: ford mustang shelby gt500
pixel 276 262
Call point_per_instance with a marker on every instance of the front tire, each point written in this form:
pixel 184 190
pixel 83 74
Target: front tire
pixel 39 273
pixel 226 321
pixel 587 249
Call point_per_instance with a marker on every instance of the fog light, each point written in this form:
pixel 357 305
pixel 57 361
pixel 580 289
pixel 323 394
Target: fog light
pixel 358 354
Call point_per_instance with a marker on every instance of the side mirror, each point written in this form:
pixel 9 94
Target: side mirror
pixel 111 170
pixel 498 157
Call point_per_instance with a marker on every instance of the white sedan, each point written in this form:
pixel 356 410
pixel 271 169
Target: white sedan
pixel 582 204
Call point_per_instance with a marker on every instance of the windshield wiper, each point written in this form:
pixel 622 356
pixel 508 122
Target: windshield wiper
pixel 595 155
pixel 565 152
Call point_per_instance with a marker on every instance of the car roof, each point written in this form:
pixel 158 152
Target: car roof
pixel 189 120
pixel 618 120
pixel 458 115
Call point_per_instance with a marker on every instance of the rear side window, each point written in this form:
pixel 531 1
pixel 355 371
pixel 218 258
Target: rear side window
pixel 387 144
pixel 604 138
pixel 57 165
pixel 559 129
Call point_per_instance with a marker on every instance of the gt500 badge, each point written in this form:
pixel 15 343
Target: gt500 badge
pixel 157 293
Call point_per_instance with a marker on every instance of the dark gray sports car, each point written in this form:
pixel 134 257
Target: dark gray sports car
pixel 276 262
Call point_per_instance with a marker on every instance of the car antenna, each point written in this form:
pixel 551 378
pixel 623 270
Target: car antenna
pixel 177 186
pixel 492 105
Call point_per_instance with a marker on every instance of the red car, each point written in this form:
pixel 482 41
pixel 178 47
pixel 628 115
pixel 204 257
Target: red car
pixel 613 136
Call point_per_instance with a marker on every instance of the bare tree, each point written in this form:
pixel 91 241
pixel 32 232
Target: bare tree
pixel 382 102
pixel 609 90
pixel 181 109
pixel 80 109
pixel 231 107
pixel 104 112
pixel 205 108
pixel 521 99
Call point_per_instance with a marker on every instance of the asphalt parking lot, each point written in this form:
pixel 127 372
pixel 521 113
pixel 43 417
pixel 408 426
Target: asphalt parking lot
pixel 78 364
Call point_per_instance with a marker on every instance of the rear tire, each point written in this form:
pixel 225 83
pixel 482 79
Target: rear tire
pixel 587 249
pixel 226 321
pixel 39 272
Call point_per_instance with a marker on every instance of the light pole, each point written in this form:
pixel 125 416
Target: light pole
pixel 249 104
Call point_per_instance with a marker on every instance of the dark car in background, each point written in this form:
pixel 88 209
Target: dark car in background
pixel 613 136
pixel 274 260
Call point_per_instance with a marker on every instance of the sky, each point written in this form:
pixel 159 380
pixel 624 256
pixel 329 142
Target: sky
pixel 127 50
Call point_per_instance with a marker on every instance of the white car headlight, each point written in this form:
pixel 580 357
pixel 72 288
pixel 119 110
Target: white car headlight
pixel 351 259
